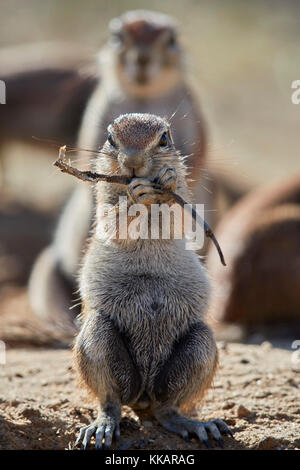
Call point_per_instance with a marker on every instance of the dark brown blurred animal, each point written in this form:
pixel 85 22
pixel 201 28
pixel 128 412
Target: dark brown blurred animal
pixel 47 89
pixel 23 233
pixel 260 237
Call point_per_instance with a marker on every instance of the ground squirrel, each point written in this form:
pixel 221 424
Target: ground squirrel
pixel 260 236
pixel 143 341
pixel 142 70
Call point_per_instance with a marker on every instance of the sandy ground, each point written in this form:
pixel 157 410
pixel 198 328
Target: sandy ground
pixel 256 391
pixel 252 123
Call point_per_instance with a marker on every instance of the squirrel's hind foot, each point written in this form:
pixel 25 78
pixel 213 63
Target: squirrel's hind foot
pixel 174 422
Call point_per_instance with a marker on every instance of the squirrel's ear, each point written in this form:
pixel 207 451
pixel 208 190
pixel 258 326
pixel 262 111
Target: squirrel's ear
pixel 114 25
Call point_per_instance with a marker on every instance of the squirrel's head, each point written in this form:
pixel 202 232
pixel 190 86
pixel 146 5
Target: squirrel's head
pixel 139 144
pixel 147 54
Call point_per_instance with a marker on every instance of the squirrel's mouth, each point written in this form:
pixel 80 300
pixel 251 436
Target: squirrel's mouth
pixel 142 77
pixel 134 172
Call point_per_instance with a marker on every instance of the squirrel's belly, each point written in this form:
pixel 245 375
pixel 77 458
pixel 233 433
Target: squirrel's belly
pixel 149 301
pixel 153 303
pixel 152 319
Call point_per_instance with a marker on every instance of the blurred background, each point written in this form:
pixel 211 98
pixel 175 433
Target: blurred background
pixel 243 57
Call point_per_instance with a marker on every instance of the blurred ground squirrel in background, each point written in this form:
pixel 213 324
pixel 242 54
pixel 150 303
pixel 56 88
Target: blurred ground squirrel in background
pixel 48 85
pixel 261 239
pixel 143 341
pixel 142 70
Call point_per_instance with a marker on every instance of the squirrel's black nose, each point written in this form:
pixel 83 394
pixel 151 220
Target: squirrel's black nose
pixel 143 59
pixel 132 159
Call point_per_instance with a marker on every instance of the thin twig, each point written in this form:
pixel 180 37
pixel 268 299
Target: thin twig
pixel 96 177
pixel 207 230
pixel 86 175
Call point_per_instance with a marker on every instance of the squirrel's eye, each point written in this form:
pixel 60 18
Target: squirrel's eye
pixel 172 41
pixel 163 140
pixel 111 140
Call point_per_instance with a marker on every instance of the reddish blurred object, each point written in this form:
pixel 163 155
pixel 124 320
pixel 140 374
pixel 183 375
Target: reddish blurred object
pixel 260 238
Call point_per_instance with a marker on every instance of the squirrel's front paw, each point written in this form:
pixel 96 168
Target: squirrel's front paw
pixel 167 178
pixel 143 191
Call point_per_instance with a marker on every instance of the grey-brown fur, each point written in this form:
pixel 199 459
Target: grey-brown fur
pixel 138 39
pixel 144 342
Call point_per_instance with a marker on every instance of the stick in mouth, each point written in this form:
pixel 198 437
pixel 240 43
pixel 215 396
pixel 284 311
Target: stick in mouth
pixel 92 177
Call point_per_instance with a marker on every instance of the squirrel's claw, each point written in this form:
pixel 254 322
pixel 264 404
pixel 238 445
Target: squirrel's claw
pixel 167 178
pixel 183 426
pixel 104 429
pixel 143 191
